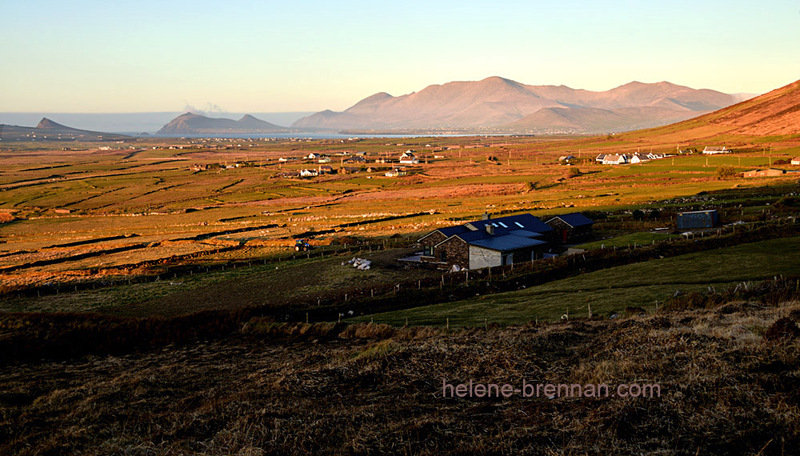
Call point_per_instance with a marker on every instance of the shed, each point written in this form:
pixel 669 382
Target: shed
pixel 571 227
pixel 697 219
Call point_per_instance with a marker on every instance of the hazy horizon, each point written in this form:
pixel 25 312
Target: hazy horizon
pixel 98 57
pixel 134 122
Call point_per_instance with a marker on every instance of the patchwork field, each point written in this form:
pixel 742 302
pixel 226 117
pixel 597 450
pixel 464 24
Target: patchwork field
pixel 146 193
pixel 165 280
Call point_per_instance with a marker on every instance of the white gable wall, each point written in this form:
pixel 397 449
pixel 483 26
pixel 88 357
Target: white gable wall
pixel 483 258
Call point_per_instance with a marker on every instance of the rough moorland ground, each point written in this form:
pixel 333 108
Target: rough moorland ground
pixel 728 376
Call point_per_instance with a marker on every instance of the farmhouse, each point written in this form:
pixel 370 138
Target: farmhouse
pixel 796 161
pixel 716 150
pixel 395 172
pixel 325 169
pixel 771 172
pixel 639 159
pixel 308 173
pixel 488 242
pixel 571 228
pixel 350 170
pixel 697 219
pixel 616 159
pixel 408 158
pixel 314 156
pixel 600 158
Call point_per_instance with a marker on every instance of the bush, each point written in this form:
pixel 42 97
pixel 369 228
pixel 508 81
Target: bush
pixel 574 172
pixel 726 171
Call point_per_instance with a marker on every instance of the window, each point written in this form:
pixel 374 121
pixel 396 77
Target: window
pixel 519 224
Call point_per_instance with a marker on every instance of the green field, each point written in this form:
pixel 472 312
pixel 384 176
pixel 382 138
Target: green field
pixel 629 240
pixel 613 289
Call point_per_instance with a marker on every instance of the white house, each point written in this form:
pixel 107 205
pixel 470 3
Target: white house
pixel 395 172
pixel 716 150
pixel 796 161
pixel 324 159
pixel 616 159
pixel 314 156
pixel 639 159
pixel 308 173
pixel 408 158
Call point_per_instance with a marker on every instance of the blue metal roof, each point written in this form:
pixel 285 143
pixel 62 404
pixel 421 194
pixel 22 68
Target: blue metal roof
pixel 482 234
pixel 506 243
pixel 575 219
pixel 526 233
pixel 521 221
pixel 451 230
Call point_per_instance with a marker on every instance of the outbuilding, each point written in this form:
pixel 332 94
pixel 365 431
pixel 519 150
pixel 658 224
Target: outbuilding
pixel 571 228
pixel 697 219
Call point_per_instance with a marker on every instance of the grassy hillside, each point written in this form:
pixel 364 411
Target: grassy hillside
pixel 613 289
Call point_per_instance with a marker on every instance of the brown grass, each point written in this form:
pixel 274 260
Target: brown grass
pixel 280 388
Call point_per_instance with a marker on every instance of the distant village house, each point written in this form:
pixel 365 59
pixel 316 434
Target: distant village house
pixel 408 158
pixel 716 150
pixel 771 172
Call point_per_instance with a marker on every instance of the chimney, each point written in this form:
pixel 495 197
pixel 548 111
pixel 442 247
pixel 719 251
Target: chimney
pixel 486 216
pixel 490 228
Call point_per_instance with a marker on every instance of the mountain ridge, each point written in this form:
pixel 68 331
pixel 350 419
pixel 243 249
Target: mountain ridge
pixel 497 102
pixel 48 129
pixel 191 123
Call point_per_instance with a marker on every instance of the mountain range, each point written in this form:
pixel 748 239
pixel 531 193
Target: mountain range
pixel 499 104
pixel 190 123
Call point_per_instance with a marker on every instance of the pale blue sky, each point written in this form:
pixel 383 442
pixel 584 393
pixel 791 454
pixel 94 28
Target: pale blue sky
pixel 259 56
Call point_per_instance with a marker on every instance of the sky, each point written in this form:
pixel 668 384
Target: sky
pixel 300 55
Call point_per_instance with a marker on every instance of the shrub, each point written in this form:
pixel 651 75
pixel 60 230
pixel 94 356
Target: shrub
pixel 726 171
